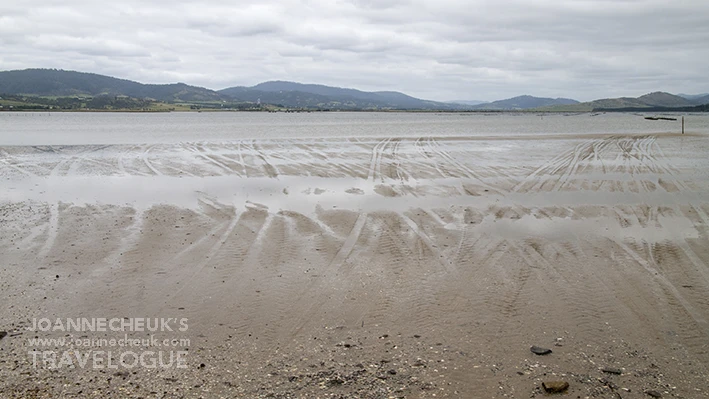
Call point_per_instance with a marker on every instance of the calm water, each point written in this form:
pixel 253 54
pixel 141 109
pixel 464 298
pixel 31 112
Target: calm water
pixel 139 128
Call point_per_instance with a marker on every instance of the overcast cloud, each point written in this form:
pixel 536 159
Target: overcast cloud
pixel 440 50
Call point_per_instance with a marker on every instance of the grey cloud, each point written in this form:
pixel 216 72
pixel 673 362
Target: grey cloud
pixel 440 50
pixel 89 46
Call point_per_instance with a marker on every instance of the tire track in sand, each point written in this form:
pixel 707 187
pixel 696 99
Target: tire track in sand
pixel 52 230
pixel 565 165
pixel 648 148
pixel 199 151
pixel 6 159
pixel 145 157
pixel 270 169
pixel 667 285
pixel 425 151
pixel 330 272
pixel 172 291
pixel 663 165
pixel 375 165
pixel 586 298
pixel 408 287
pixel 436 148
pixel 448 266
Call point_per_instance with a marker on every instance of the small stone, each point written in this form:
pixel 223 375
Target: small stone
pixel 539 351
pixel 3 334
pixel 336 381
pixel 555 386
pixel 612 370
pixel 392 372
pixel 654 394
pixel 202 365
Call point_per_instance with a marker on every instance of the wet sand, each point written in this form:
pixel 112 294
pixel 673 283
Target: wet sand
pixel 375 268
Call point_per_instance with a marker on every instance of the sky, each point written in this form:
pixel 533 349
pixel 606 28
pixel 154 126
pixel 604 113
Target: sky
pixel 438 50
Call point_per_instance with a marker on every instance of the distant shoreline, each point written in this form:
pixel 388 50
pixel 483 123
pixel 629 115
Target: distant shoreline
pixel 425 111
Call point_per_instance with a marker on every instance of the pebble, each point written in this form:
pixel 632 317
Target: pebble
pixel 612 370
pixel 539 351
pixel 654 394
pixel 3 334
pixel 555 386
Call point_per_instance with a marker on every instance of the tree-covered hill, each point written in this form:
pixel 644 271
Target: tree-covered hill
pixel 55 82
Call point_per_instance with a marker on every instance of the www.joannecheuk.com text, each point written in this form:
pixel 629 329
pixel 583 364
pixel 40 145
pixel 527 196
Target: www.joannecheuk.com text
pixel 103 324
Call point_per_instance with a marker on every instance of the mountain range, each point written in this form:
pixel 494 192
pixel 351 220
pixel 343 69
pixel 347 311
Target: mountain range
pixel 60 83
pixel 651 100
pixel 693 96
pixel 52 82
pixel 524 102
pixel 300 95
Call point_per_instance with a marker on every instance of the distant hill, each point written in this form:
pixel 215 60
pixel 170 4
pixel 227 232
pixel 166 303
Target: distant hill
pixel 292 94
pixel 54 82
pixel 692 97
pixel 695 108
pixel 647 101
pixel 700 100
pixel 662 99
pixel 524 102
pixel 293 99
pixel 467 102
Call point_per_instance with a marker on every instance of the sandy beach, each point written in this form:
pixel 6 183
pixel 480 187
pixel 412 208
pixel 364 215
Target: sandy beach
pixel 412 267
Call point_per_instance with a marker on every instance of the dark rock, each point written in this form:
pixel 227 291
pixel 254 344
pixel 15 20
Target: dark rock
pixel 612 370
pixel 660 118
pixel 555 386
pixel 337 380
pixel 609 384
pixel 654 394
pixel 3 334
pixel 202 365
pixel 539 351
pixel 392 372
